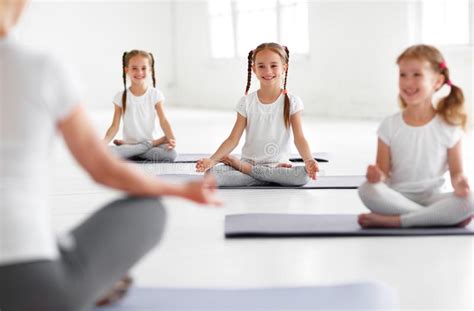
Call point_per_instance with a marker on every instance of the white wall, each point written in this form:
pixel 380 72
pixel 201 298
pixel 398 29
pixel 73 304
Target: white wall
pixel 92 35
pixel 350 72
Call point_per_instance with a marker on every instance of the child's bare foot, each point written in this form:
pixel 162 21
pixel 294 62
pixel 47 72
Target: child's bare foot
pixel 465 222
pixel 373 220
pixel 234 162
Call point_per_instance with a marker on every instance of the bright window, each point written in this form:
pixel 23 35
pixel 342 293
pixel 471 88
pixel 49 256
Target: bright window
pixel 446 22
pixel 237 26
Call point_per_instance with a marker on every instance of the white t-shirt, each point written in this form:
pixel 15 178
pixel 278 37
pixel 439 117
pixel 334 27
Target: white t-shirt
pixel 139 118
pixel 36 91
pixel 419 155
pixel 267 140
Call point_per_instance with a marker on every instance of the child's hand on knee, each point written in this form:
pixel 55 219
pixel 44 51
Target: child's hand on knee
pixel 171 143
pixel 203 165
pixel 374 174
pixel 159 141
pixel 312 168
pixel 461 186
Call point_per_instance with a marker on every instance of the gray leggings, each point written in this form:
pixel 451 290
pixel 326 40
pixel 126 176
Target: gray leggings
pixel 145 150
pixel 103 249
pixel 416 209
pixel 260 176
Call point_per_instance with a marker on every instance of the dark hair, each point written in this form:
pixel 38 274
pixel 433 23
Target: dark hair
pixel 125 60
pixel 284 54
pixel 450 107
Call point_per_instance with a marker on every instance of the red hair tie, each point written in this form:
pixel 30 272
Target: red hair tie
pixel 443 65
pixel 449 83
pixel 285 91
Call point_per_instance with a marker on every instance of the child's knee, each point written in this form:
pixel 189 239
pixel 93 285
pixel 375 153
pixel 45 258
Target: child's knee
pixel 467 203
pixel 297 177
pixel 302 177
pixel 170 155
pixel 368 192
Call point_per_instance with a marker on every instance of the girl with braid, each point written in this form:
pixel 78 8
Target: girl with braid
pixel 269 116
pixel 416 147
pixel 137 106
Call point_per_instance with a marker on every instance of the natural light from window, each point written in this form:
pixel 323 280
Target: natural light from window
pixel 445 22
pixel 237 26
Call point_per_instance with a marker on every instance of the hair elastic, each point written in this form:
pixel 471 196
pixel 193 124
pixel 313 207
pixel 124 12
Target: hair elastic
pixel 443 65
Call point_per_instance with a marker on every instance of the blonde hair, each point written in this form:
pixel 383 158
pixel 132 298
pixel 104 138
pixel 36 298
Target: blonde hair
pixel 125 60
pixel 450 107
pixel 284 54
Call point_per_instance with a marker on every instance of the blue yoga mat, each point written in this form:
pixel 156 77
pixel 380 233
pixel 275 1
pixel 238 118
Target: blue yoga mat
pixel 358 296
pixel 193 157
pixel 300 225
pixel 322 182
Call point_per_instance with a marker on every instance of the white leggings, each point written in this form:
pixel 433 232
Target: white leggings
pixel 260 175
pixel 417 209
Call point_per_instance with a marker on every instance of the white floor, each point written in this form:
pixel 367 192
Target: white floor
pixel 427 272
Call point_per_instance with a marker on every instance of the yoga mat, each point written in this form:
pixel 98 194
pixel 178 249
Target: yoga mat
pixel 300 225
pixel 322 182
pixel 357 296
pixel 193 157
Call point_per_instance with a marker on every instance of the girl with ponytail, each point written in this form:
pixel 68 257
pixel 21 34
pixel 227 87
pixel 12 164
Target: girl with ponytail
pixel 416 147
pixel 269 116
pixel 138 105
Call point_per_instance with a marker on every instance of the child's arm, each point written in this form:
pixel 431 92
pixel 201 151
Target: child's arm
pixel 302 145
pixel 381 170
pixel 165 126
pixel 110 171
pixel 458 180
pixel 113 129
pixel 226 147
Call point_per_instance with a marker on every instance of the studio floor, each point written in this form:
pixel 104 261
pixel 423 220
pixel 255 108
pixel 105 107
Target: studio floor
pixel 430 273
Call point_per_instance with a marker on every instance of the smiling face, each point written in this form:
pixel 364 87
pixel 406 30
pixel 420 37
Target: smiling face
pixel 269 68
pixel 138 69
pixel 418 82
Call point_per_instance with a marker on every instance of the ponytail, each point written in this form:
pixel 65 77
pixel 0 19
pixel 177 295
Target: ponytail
pixel 451 107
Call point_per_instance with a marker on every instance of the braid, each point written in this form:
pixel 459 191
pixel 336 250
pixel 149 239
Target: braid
pixel 249 72
pixel 124 77
pixel 153 69
pixel 451 107
pixel 287 65
pixel 286 109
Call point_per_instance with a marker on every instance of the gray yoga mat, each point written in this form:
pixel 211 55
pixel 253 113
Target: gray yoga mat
pixel 358 296
pixel 322 182
pixel 193 157
pixel 300 225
